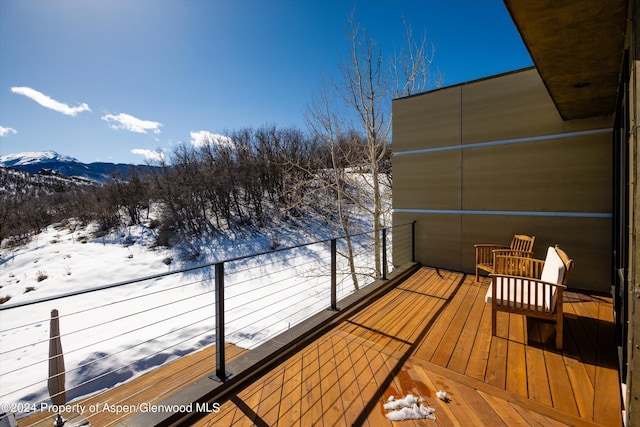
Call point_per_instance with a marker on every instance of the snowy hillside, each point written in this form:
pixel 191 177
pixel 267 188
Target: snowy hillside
pixel 17 183
pixel 120 333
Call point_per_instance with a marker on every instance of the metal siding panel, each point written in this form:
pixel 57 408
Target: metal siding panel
pixel 427 120
pixel 515 105
pixel 427 181
pixel 512 106
pixel 561 175
pixel 437 239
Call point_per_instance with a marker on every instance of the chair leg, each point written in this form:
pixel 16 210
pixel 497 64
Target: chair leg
pixel 493 323
pixel 559 333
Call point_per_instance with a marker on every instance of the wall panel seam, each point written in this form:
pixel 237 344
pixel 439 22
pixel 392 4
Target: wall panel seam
pixel 601 215
pixel 506 142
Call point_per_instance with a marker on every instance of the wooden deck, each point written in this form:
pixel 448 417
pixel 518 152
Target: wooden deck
pixel 430 333
pixel 144 390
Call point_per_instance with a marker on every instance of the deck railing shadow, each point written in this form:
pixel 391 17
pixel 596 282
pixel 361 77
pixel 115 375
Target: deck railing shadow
pixel 93 363
pixel 408 339
pixel 397 368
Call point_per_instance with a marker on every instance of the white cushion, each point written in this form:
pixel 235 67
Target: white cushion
pixel 521 293
pixel 553 270
pixel 527 293
pixel 489 294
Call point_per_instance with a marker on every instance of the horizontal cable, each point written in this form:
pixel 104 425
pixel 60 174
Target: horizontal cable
pixel 291 286
pixel 65 315
pixel 111 321
pixel 169 273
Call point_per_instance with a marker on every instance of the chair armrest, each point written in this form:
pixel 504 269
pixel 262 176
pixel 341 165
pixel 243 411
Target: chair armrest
pixel 522 266
pixel 528 279
pixel 484 252
pixel 490 245
pixel 511 252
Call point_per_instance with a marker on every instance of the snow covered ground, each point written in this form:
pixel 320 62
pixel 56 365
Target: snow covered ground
pixel 114 335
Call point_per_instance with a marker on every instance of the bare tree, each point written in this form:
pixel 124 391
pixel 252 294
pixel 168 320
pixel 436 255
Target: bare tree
pixel 411 66
pixel 364 93
pixel 326 126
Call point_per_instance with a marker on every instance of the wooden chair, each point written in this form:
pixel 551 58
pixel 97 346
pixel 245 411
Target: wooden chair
pixel 521 245
pixel 531 287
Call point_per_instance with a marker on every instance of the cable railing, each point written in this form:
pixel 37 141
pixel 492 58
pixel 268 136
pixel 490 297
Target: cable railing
pixel 114 333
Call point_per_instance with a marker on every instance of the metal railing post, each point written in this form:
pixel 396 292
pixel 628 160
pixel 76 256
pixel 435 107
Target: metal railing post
pixel 334 279
pixel 220 375
pixel 384 254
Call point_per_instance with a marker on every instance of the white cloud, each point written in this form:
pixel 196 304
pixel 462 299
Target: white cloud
pixel 203 138
pixel 7 131
pixel 49 102
pixel 151 155
pixel 132 124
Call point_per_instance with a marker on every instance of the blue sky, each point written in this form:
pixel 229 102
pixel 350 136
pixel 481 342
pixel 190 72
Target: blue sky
pixel 113 80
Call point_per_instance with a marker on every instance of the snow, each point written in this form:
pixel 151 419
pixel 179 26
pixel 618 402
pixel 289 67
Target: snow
pixel 116 334
pixel 442 395
pixel 31 157
pixel 408 408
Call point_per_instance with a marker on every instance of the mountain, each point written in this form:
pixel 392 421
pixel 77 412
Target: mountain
pixel 52 162
pixel 26 158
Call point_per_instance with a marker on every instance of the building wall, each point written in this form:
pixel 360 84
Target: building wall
pixel 632 380
pixel 479 162
pixel 632 395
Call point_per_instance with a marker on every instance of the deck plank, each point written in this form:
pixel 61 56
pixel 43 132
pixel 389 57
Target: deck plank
pixel 516 381
pixel 497 366
pixel 463 301
pixel 562 393
pixel 479 357
pixel 460 358
pixel 428 347
pixel 509 416
pixel 269 405
pixel 581 330
pixel 475 406
pixel 536 420
pixel 537 375
pixel 289 408
pixel 350 392
pixel 329 388
pixel 444 414
pixel 432 332
pixel 607 406
pixel 516 374
pixel 311 405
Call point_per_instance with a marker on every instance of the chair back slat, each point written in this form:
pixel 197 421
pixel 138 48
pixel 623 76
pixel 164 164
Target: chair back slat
pixel 521 242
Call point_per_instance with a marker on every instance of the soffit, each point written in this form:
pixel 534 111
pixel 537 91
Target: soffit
pixel 577 47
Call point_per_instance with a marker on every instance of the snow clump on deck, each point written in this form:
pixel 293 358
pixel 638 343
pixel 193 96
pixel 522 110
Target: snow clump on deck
pixel 409 408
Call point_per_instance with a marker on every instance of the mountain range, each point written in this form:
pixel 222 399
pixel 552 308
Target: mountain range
pixel 52 162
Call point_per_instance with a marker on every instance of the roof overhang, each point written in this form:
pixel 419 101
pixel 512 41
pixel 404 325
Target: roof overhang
pixel 578 48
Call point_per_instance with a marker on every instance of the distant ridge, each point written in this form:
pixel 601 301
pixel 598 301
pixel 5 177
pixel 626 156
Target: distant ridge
pixel 32 157
pixel 48 161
